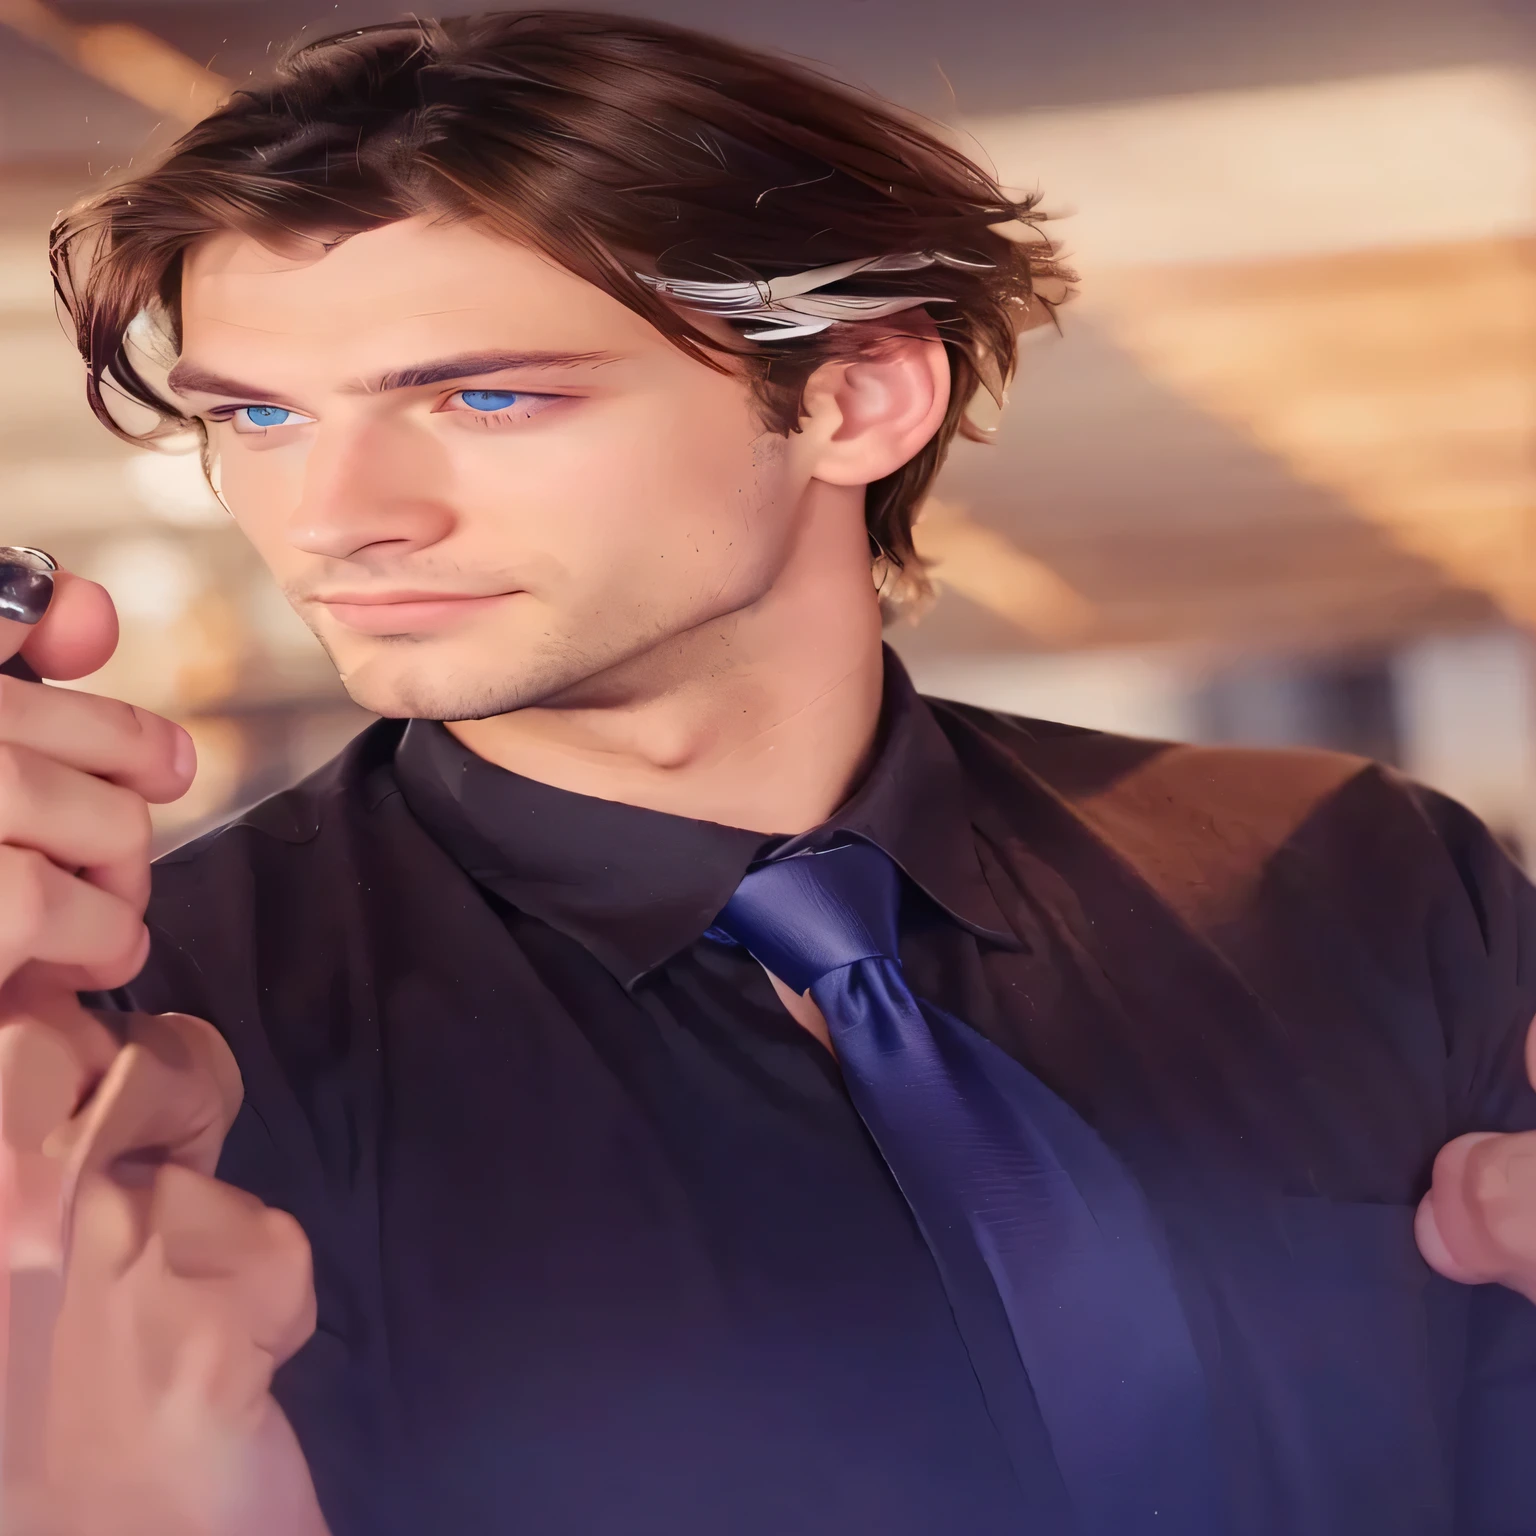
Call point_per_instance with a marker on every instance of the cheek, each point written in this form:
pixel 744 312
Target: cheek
pixel 657 487
pixel 261 488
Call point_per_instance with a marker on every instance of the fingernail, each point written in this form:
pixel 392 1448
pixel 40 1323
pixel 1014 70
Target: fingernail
pixel 26 583
pixel 184 756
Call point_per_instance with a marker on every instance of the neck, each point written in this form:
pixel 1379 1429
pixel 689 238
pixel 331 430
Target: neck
pixel 764 720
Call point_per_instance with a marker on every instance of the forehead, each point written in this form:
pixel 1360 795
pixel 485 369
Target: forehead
pixel 414 288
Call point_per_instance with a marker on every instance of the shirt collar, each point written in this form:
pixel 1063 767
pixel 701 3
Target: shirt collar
pixel 636 886
pixel 913 804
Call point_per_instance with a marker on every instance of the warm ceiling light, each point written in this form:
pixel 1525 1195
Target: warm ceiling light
pixel 140 65
pixel 1403 381
pixel 1344 272
pixel 988 568
pixel 1387 160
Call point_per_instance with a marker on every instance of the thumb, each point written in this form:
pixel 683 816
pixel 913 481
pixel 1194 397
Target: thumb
pixel 62 626
pixel 1434 1249
pixel 1451 1233
pixel 1478 1221
pixel 76 635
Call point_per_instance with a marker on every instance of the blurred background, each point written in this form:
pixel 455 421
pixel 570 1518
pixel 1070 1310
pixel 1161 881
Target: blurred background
pixel 1273 482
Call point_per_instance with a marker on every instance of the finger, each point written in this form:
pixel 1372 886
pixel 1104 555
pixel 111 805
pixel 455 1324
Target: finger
pixel 1501 1187
pixel 1460 1245
pixel 171 1093
pixel 221 1375
pixel 79 821
pixel 252 1260
pixel 1476 1224
pixel 213 1233
pixel 191 1045
pixel 131 747
pixel 151 1374
pixel 1530 1054
pixel 46 1069
pixel 1434 1249
pixel 33 996
pixel 74 637
pixel 41 1082
pixel 107 1231
pixel 51 916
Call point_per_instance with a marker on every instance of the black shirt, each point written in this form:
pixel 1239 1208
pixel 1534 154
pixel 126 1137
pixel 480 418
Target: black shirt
pixel 602 1248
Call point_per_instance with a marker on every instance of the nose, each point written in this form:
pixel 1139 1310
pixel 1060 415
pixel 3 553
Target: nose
pixel 368 492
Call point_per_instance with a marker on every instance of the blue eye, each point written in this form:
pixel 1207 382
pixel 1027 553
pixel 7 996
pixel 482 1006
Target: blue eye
pixel 264 415
pixel 489 399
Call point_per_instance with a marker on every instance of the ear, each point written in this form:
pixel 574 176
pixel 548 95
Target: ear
pixel 863 418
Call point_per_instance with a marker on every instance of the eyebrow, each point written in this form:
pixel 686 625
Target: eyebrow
pixel 187 378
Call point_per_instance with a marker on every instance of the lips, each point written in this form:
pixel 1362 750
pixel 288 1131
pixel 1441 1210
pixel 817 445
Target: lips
pixel 405 613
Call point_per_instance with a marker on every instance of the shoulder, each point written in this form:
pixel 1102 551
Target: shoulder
pixel 357 779
pixel 282 869
pixel 1108 776
pixel 1280 861
pixel 303 833
pixel 1169 807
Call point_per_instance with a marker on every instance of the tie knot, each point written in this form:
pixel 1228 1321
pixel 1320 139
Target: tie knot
pixel 806 916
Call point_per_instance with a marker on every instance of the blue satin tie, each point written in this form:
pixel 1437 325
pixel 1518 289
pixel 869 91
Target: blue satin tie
pixel 997 1168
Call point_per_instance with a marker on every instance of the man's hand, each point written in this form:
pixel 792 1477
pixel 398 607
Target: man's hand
pixel 145 1305
pixel 181 1295
pixel 1478 1221
pixel 77 774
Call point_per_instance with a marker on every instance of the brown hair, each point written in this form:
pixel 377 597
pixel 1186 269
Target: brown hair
pixel 609 145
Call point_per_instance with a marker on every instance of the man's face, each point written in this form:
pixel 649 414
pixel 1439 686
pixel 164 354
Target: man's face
pixel 480 480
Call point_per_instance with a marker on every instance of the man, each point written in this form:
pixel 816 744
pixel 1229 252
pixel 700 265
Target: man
pixel 722 1091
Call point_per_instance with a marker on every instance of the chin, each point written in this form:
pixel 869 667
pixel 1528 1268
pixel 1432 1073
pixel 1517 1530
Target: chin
pixel 406 684
pixel 433 699
pixel 479 676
